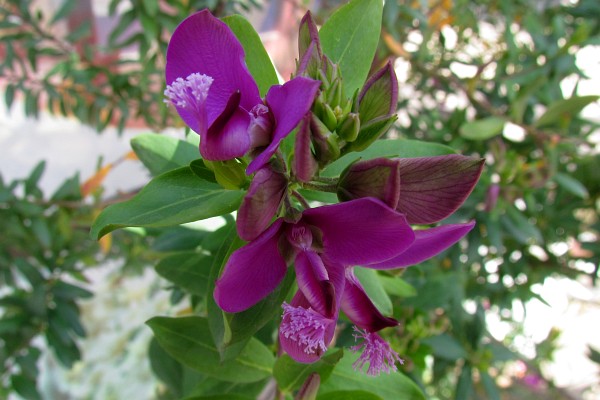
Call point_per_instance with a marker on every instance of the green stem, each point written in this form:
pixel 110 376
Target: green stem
pixel 321 187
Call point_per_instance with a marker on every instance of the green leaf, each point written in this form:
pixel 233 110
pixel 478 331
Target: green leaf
pixel 160 153
pixel 370 281
pixel 25 387
pixel 9 95
pixel 571 185
pixel 290 374
pixel 350 395
pixel 395 385
pixel 187 270
pixel 402 148
pixel 446 347
pixel 396 286
pixel 257 59
pixel 349 38
pixel 519 226
pixel 490 386
pixel 65 9
pixel 482 129
pixel 166 368
pixel 188 340
pixel 212 387
pixel 173 198
pixel 565 108
pixel 464 386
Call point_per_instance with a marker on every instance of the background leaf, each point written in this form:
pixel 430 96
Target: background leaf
pixel 565 108
pixel 349 38
pixel 257 59
pixel 482 129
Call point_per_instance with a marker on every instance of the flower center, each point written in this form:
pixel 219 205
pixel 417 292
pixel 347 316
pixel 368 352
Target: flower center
pixel 300 236
pixel 306 327
pixel 189 93
pixel 376 351
pixel 261 126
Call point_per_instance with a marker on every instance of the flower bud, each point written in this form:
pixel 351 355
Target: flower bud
pixel 370 132
pixel 349 128
pixel 379 96
pixel 379 178
pixel 304 165
pixel 308 34
pixel 309 388
pixel 230 174
pixel 328 117
pixel 325 144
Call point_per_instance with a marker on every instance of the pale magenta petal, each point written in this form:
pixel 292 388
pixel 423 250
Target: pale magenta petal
pixel 288 104
pixel 228 136
pixel 428 243
pixel 313 281
pixel 252 272
pixel 359 308
pixel 362 231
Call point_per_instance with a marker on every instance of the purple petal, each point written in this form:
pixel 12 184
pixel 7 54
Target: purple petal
pixel 203 44
pixel 304 164
pixel 288 104
pixel 228 136
pixel 260 203
pixel 313 281
pixel 357 305
pixel 252 272
pixel 428 243
pixel 362 231
pixel 432 188
pixel 304 333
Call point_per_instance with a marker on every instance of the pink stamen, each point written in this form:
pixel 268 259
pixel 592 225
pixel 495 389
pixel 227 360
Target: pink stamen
pixel 376 351
pixel 306 327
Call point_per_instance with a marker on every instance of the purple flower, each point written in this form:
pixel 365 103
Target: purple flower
pixel 214 93
pixel 325 243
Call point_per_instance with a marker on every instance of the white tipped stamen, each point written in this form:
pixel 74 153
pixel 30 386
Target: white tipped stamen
pixel 376 351
pixel 189 93
pixel 305 326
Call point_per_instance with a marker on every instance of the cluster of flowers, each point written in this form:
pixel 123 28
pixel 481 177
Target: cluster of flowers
pixel 214 93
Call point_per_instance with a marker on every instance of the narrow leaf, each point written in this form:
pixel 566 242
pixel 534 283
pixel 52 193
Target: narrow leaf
pixel 349 38
pixel 571 185
pixel 173 198
pixel 565 108
pixel 482 129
